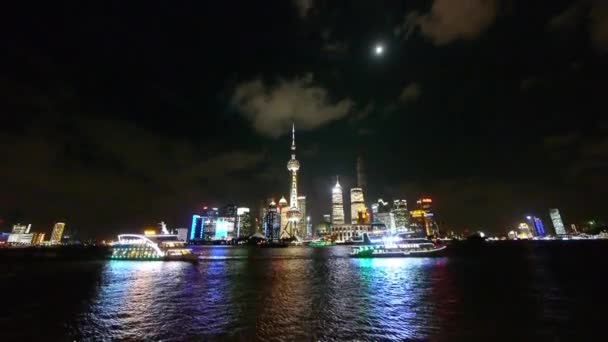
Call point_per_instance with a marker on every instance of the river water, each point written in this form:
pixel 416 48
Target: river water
pixel 524 292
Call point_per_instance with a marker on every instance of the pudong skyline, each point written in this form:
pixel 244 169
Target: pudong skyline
pixel 106 142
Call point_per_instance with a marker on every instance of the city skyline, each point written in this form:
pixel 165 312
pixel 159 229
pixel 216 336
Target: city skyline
pixel 116 125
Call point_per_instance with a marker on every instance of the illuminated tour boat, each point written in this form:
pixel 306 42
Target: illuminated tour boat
pixel 151 246
pixel 397 246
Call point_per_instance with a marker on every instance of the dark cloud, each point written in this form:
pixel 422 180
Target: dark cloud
pixel 532 82
pixel 451 20
pixel 410 93
pixel 599 24
pixel 121 175
pixel 303 7
pixel 592 13
pixel 272 109
pixel 568 19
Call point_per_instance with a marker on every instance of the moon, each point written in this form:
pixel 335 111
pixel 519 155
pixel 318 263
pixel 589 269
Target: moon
pixel 379 49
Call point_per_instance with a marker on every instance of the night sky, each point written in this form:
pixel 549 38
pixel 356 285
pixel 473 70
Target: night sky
pixel 115 115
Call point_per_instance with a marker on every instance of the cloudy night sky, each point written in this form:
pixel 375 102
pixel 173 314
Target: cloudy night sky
pixel 117 114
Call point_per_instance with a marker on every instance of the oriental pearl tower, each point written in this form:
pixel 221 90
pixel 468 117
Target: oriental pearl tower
pixel 293 165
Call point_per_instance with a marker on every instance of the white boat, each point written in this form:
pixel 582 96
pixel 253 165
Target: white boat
pixel 397 246
pixel 151 246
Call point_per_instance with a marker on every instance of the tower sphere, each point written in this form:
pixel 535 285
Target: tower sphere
pixel 293 165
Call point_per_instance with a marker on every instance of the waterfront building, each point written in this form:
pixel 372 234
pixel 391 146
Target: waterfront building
pixel 402 216
pixel 224 228
pixel 273 228
pixel 303 223
pixel 4 238
pixel 383 213
pixel 37 238
pixel 337 204
pixel 243 222
pixel 387 219
pixel 357 204
pixel 539 228
pixel 323 229
pixel 293 215
pixel 21 228
pixel 229 210
pixel 182 234
pixel 425 217
pixel 210 226
pixel 196 228
pixel 57 233
pixel 524 231
pixel 346 232
pixel 558 224
pixel 20 238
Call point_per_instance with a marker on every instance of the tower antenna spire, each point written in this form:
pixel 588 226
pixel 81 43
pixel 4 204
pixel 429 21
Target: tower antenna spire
pixel 293 136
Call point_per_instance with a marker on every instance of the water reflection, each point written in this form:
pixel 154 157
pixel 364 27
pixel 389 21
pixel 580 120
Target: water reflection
pixel 310 294
pixel 302 293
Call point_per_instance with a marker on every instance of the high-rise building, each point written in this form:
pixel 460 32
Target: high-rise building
pixel 37 238
pixel 303 223
pixel 243 222
pixel 402 216
pixel 293 166
pixel 57 233
pixel 272 226
pixel 196 228
pixel 524 231
pixel 229 210
pixel 337 204
pixel 558 224
pixel 426 221
pixel 374 209
pixel 383 213
pixel 327 218
pixel 282 211
pixel 537 224
pixel 357 204
pixel 308 226
pixel 361 182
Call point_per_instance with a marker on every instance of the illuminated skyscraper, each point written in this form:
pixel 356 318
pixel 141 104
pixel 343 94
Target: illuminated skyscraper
pixel 282 210
pixel 243 222
pixel 57 232
pixel 302 230
pixel 402 216
pixel 361 183
pixel 293 166
pixel 558 224
pixel 382 213
pixel 539 228
pixel 426 220
pixel 524 231
pixel 37 238
pixel 337 205
pixel 357 204
pixel 271 222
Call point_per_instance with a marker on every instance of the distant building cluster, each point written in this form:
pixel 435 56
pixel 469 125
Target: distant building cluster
pixel 212 224
pixel 533 228
pixel 21 235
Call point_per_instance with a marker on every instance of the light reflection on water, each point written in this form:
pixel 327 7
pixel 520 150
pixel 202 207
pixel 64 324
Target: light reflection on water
pixel 288 292
pixel 522 291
